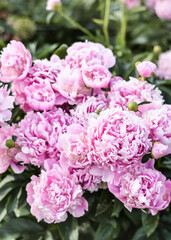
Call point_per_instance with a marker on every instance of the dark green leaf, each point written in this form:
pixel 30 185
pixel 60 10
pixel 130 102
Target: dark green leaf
pixel 61 51
pixel 118 206
pixel 150 223
pixel 74 230
pixel 140 234
pixel 104 231
pixel 142 103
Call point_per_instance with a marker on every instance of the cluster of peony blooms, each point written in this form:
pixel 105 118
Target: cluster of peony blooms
pixel 84 129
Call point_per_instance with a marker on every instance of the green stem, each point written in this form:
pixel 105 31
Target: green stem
pixel 123 25
pixel 106 22
pixel 75 24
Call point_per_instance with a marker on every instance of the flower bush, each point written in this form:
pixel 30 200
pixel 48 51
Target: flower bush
pixel 85 136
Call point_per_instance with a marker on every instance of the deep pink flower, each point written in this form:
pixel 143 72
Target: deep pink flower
pixel 163 9
pixel 38 134
pixel 123 92
pixel 164 62
pixel 146 68
pixel 91 53
pixel 15 62
pixel 142 187
pixel 54 193
pixel 6 102
pixel 118 139
pixel 96 76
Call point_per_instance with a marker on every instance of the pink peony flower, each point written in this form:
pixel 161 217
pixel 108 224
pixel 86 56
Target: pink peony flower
pixel 163 9
pixel 52 3
pixel 131 3
pixel 123 92
pixel 90 107
pixel 7 157
pixel 142 187
pixel 53 194
pixel 71 85
pixel 15 62
pixel 74 147
pixel 164 63
pixel 40 96
pixel 158 121
pixel 86 179
pixel 35 92
pixel 96 76
pixel 6 102
pixel 151 4
pixel 146 68
pixel 91 53
pixel 118 139
pixel 159 150
pixel 37 135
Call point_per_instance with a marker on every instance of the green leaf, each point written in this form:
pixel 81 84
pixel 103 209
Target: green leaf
pixel 13 199
pixel 142 103
pixel 3 210
pixel 140 234
pixel 48 236
pixel 7 188
pixel 104 231
pixel 134 216
pixel 150 223
pixel 165 82
pixel 61 51
pixel 74 234
pixel 18 226
pixel 118 206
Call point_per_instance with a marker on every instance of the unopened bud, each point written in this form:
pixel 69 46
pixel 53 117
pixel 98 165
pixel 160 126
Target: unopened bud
pixel 133 106
pixel 157 49
pixel 10 143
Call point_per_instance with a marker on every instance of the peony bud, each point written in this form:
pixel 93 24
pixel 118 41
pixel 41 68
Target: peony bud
pixel 10 143
pixel 133 106
pixel 159 150
pixel 146 68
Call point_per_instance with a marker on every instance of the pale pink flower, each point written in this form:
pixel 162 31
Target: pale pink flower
pixel 54 193
pixel 131 3
pixel 146 68
pixel 159 150
pixel 123 92
pixel 6 102
pixel 91 106
pixel 73 146
pixel 158 121
pixel 150 4
pixel 164 62
pixel 52 3
pixel 86 179
pixel 118 139
pixel 40 96
pixel 71 85
pixel 163 9
pixel 142 187
pixel 7 157
pixel 91 53
pixel 37 135
pixel 96 76
pixel 35 92
pixel 15 62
